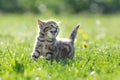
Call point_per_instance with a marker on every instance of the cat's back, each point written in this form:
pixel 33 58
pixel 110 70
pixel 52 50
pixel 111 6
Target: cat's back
pixel 64 48
pixel 64 40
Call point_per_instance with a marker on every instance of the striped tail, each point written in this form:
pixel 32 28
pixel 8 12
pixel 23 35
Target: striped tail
pixel 73 34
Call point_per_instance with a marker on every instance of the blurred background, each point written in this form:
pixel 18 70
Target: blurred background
pixel 60 6
pixel 96 17
pixel 97 43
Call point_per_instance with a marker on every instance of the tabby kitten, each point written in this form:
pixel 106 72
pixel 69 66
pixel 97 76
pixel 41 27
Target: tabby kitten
pixel 48 46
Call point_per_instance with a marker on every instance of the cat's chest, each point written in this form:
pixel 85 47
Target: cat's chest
pixel 46 47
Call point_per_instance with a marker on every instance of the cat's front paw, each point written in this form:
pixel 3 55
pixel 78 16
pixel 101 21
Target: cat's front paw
pixel 49 55
pixel 34 57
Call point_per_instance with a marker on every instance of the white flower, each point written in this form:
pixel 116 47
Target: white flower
pixel 98 22
pixel 37 78
pixel 92 73
pixel 39 69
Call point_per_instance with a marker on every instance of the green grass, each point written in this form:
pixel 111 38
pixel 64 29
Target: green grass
pixel 99 61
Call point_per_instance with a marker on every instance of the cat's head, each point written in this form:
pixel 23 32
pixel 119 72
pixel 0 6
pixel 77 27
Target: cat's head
pixel 49 28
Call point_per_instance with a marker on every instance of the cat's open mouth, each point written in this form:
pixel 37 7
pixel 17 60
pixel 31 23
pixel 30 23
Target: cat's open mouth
pixel 53 32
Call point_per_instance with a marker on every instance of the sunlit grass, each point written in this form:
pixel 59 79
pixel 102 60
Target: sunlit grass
pixel 97 48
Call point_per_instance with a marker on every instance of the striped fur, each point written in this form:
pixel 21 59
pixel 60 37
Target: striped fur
pixel 48 46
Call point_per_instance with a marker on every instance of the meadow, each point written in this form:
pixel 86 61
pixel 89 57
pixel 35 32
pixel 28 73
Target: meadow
pixel 97 45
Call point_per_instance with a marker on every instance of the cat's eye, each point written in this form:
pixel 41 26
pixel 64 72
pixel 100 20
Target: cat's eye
pixel 52 25
pixel 46 29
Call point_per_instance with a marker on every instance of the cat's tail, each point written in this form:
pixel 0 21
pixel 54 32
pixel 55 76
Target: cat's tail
pixel 73 34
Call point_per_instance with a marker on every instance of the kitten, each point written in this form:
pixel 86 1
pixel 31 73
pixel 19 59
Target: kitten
pixel 48 46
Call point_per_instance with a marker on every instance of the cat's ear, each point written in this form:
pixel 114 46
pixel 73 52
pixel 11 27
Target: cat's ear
pixel 58 23
pixel 41 23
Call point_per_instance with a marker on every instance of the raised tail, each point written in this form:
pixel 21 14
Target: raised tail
pixel 73 34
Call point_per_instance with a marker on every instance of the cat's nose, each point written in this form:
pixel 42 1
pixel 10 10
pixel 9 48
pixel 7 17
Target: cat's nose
pixel 53 32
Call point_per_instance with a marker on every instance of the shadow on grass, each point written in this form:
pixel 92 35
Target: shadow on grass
pixel 55 61
pixel 18 67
